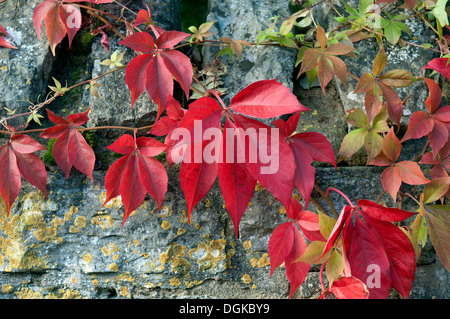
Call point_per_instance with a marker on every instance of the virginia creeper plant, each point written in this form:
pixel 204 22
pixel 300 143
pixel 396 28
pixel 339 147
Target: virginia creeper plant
pixel 367 248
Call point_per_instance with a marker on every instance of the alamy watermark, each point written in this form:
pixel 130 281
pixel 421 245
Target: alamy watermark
pixel 251 145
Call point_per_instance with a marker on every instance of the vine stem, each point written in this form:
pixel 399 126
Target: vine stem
pixel 341 193
pixel 84 129
pixel 327 198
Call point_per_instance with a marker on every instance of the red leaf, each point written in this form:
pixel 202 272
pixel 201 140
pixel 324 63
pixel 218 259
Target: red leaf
pixel 420 125
pixel 236 183
pixel 3 42
pixel 317 145
pixel 70 148
pixel 410 173
pixel 280 244
pixel 441 65
pixel 56 30
pixel 434 99
pixel 305 173
pixel 71 18
pixel 288 127
pixel 25 144
pixel 263 152
pixel 438 136
pixel 266 99
pixel 196 178
pixel 123 145
pixel 154 72
pixel 136 173
pixel 60 153
pixel 131 189
pixel 33 170
pixel 296 272
pixel 443 114
pixel 367 255
pixel 9 177
pixel 140 42
pixel 379 212
pixel 395 104
pixel 309 224
pixel 154 178
pixel 391 146
pixel 349 288
pixel 391 180
pixel 80 153
pixel 400 253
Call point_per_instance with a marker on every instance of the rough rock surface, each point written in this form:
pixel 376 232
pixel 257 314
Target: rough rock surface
pixel 23 72
pixel 241 20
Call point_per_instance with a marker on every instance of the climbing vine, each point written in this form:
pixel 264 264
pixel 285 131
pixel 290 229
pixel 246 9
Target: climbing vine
pixel 365 249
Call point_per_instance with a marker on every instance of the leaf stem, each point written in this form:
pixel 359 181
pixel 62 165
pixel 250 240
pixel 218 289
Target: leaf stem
pixel 341 193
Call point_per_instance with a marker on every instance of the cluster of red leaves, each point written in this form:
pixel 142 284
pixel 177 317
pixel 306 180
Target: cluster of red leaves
pixel 365 253
pixel 238 176
pixel 3 42
pixel 61 18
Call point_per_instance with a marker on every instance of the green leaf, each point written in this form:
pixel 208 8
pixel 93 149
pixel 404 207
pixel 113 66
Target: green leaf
pixel 373 144
pixel 357 117
pixel 439 231
pixel 435 189
pixel 440 13
pixel 326 224
pixel 392 33
pixel 351 143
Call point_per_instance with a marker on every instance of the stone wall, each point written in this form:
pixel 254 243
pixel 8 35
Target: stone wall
pixel 70 246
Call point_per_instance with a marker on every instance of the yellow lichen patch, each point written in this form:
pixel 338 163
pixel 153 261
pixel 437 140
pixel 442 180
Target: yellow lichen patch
pixel 73 230
pixel 247 244
pixel 110 249
pixel 209 254
pixel 174 255
pixel 113 267
pixel 181 231
pixel 7 289
pixel 163 212
pixel 124 291
pixel 165 225
pixel 207 203
pixel 174 282
pixel 246 279
pixel 103 220
pixel 282 210
pixel 80 221
pixel 258 187
pixel 64 294
pixel 261 262
pixel 27 293
pixel 87 258
pixel 115 202
pixel 72 210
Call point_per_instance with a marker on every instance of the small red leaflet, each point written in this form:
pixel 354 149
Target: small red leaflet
pixel 17 157
pixel 154 70
pixel 3 42
pixel 136 173
pixel 70 148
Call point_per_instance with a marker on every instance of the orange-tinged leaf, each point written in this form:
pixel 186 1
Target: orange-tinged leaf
pixel 436 189
pixel 309 61
pixel 373 144
pixel 391 146
pixel 440 238
pixel 410 173
pixel 379 62
pixel 391 181
pixel 365 83
pixel 56 30
pixel 351 143
pixel 349 288
pixel 325 71
pixel 321 37
pixel 340 69
pixel 420 125
pixel 339 49
pixel 397 78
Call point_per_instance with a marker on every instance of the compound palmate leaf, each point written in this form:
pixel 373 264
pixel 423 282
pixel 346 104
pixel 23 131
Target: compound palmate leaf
pixel 70 148
pixel 61 18
pixel 17 157
pixel 154 70
pixel 136 173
